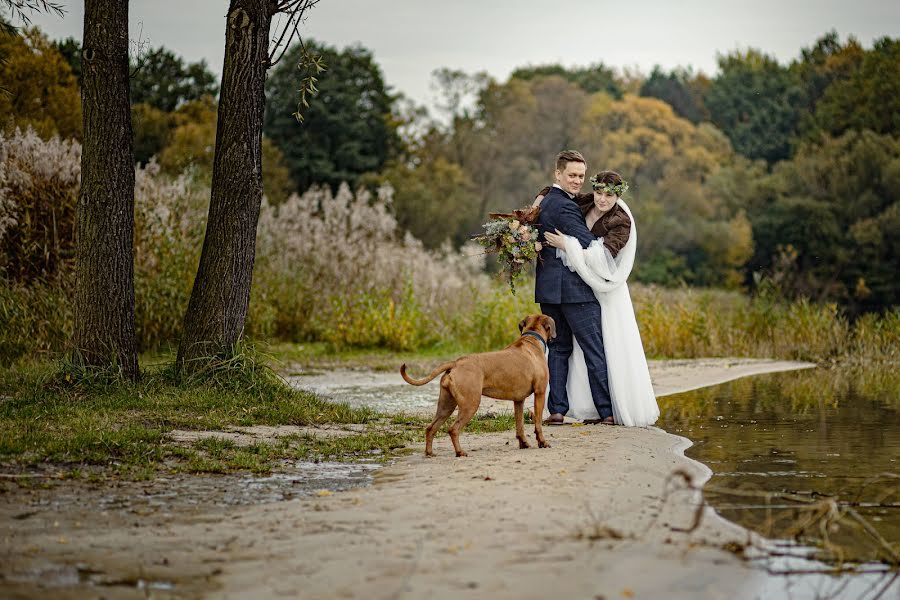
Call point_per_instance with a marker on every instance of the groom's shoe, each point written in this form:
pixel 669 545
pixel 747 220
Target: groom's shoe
pixel 556 419
pixel 607 421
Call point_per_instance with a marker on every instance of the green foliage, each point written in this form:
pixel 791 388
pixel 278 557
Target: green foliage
pixel 186 142
pixel 191 143
pixel 70 49
pixel 433 199
pixel 152 131
pixel 170 219
pixel 492 323
pixel 591 79
pixel 375 319
pixel 693 323
pixel 346 131
pixel 67 415
pixel 42 92
pixel 825 223
pixel 819 68
pixel 681 89
pixel 35 318
pixel 754 100
pixel 163 80
pixel 867 94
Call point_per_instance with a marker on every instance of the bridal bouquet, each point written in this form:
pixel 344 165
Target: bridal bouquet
pixel 515 240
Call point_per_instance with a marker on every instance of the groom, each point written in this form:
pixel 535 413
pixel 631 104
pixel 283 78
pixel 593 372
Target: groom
pixel 565 297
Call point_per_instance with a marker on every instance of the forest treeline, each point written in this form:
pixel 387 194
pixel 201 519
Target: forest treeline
pixel 783 173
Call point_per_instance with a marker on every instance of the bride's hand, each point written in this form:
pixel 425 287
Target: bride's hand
pixel 555 239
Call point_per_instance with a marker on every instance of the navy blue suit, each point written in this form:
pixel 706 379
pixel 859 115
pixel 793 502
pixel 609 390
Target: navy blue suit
pixel 571 303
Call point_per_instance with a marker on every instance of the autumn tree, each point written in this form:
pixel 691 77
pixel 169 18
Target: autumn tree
pixel 104 259
pixel 686 234
pixel 41 91
pixel 509 148
pixel 433 199
pixel 214 321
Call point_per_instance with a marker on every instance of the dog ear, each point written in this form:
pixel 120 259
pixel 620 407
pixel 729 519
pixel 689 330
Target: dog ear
pixel 551 324
pixel 522 324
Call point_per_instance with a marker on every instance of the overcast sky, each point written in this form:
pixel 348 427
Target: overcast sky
pixel 411 38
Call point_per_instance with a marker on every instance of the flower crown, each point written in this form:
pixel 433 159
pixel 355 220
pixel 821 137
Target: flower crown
pixel 615 190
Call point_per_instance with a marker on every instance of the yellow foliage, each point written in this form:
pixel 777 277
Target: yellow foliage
pixel 43 93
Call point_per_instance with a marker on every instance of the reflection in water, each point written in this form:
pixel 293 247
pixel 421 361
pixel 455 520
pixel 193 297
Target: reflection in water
pixel 809 433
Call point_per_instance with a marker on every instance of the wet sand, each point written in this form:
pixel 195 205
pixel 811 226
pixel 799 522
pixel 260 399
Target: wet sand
pixel 587 518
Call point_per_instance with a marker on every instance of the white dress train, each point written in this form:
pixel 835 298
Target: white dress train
pixel 633 401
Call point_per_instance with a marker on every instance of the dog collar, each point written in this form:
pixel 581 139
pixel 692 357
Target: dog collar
pixel 534 334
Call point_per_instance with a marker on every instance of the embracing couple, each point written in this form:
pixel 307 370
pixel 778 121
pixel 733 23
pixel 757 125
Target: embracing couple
pixel 598 371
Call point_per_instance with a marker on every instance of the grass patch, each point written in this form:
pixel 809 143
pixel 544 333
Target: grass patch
pixel 290 357
pixel 57 414
pixel 99 422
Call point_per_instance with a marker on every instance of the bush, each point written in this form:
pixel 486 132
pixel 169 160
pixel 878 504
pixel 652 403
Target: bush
pixel 34 319
pixel 337 268
pixel 39 182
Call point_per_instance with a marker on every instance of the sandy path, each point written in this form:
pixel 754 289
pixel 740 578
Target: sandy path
pixel 501 523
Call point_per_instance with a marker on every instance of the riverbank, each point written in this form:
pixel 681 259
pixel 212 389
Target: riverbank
pixel 588 518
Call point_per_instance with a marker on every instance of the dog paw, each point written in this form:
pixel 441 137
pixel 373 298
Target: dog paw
pixel 523 444
pixel 461 453
pixel 543 445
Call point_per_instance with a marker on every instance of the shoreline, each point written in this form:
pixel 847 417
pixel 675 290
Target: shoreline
pixel 586 518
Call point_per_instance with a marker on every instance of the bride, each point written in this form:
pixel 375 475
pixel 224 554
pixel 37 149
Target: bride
pixel 605 267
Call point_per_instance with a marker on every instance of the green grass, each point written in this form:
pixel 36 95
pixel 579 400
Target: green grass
pixel 86 422
pixel 60 415
pixel 290 357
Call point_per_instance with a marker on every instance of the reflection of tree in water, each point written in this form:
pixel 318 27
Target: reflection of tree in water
pixel 802 455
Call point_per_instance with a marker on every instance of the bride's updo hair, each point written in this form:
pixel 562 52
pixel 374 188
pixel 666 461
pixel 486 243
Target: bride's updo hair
pixel 610 177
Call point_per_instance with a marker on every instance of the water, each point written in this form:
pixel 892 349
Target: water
pixel 383 390
pixel 803 435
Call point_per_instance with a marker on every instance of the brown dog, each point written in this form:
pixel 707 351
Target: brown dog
pixel 513 373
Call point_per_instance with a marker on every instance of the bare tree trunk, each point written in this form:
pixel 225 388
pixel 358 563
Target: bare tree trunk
pixel 215 317
pixel 104 249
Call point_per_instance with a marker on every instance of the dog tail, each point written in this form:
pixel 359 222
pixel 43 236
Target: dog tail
pixel 437 371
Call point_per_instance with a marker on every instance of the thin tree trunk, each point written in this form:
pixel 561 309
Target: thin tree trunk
pixel 104 250
pixel 215 317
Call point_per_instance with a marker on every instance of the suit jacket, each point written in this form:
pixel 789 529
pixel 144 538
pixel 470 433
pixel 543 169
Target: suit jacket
pixel 554 282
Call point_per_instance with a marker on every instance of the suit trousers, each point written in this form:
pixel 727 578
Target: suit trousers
pixel 580 320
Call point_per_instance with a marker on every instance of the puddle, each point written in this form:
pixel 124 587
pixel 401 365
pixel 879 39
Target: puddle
pixel 70 576
pixel 308 478
pixel 379 390
pixel 167 495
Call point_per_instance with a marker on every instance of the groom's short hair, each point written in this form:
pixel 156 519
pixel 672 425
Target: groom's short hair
pixel 567 156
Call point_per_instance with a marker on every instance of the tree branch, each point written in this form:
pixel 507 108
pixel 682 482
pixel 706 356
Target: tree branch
pixel 296 11
pixel 18 8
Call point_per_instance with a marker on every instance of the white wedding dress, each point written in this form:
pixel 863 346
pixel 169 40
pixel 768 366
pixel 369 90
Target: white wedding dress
pixel 633 400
